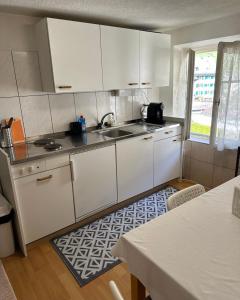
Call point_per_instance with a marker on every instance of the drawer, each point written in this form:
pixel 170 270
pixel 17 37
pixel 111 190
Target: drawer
pixel 57 161
pixel 167 132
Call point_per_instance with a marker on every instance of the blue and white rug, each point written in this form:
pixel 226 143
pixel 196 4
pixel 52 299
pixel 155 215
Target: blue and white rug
pixel 87 251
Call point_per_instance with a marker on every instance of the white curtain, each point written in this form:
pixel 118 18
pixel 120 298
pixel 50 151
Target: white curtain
pixel 180 81
pixel 228 86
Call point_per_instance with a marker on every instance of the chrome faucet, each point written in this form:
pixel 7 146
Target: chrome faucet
pixel 101 124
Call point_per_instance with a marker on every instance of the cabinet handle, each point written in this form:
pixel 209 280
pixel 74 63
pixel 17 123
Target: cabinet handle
pixel 167 132
pixel 65 87
pixel 177 140
pixel 72 170
pixel 44 178
pixel 146 83
pixel 148 138
pixel 133 83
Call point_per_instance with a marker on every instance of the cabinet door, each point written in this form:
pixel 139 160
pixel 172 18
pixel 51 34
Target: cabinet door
pixel 76 55
pixel 46 202
pixel 8 85
pixel 154 59
pixel 134 166
pixel 167 159
pixel 120 57
pixel 94 182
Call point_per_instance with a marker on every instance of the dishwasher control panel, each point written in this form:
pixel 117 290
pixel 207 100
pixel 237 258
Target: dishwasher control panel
pixel 40 165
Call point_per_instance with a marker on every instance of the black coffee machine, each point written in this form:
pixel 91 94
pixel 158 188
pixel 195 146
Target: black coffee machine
pixel 155 113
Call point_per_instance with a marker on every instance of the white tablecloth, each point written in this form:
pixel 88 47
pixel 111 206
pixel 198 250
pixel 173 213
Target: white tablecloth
pixel 191 252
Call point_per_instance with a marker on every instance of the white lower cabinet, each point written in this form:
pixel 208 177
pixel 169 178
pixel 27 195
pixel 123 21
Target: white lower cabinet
pixel 94 180
pixel 46 202
pixel 134 166
pixel 167 159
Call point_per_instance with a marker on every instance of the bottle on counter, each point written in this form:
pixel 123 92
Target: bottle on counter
pixel 82 121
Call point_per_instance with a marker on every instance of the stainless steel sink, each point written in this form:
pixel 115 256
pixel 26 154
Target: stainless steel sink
pixel 115 133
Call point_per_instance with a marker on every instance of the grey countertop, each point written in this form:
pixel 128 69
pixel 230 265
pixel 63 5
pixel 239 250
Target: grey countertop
pixel 27 151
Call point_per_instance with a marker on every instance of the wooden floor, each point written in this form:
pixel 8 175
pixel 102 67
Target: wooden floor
pixel 42 275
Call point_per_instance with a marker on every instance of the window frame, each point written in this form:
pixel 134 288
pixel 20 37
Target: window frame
pixel 216 95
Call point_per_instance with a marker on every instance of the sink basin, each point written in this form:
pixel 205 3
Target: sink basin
pixel 115 133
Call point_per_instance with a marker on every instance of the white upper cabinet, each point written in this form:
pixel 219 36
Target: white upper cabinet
pixel 154 59
pixel 120 58
pixel 70 56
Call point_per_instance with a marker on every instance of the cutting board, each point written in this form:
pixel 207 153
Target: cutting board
pixel 17 131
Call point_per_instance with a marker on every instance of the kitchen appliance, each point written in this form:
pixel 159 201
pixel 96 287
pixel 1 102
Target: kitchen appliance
pixel 155 113
pixel 144 112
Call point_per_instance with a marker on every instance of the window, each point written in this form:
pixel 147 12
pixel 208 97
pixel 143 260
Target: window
pixel 202 101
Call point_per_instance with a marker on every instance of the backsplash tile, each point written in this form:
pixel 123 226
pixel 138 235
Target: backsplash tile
pixel 8 87
pixel 86 105
pixel 10 107
pixel 36 115
pixel 124 109
pixel 62 110
pixel 105 103
pixel 27 73
pixel 139 98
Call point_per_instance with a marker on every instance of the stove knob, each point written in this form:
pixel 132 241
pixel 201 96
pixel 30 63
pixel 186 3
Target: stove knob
pixel 21 171
pixel 30 169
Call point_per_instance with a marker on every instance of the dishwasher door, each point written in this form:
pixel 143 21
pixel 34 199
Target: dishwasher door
pixel 46 202
pixel 94 180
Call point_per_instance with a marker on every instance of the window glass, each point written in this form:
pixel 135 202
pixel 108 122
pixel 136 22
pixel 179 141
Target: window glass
pixel 203 91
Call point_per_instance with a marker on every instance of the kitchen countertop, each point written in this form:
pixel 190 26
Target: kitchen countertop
pixel 27 151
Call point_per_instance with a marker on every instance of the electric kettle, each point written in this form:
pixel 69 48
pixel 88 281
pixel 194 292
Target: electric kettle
pixel 144 109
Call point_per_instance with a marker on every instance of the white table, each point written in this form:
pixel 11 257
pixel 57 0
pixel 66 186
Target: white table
pixel 191 252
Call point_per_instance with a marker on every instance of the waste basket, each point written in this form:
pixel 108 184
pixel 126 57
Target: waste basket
pixel 7 246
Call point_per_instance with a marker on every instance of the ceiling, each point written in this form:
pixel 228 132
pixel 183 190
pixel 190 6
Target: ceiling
pixel 142 14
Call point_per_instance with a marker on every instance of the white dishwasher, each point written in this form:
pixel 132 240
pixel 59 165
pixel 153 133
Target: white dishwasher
pixel 94 180
pixel 44 193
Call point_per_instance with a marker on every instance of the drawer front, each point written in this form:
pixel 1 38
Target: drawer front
pixel 167 132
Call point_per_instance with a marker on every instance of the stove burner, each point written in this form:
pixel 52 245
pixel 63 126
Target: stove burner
pixel 43 142
pixel 53 147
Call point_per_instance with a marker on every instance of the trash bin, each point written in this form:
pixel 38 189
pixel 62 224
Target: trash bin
pixel 7 246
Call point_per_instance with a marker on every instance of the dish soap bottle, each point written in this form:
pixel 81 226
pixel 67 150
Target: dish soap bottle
pixel 82 121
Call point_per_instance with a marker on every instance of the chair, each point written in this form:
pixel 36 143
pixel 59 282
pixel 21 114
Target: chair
pixel 115 291
pixel 185 195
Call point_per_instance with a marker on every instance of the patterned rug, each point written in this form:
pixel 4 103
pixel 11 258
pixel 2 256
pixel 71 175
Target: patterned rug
pixel 87 250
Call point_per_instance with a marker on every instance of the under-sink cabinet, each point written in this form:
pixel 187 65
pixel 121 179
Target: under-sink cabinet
pixel 94 180
pixel 134 166
pixel 45 201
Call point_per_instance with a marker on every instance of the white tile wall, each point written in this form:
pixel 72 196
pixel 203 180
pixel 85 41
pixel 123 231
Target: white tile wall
pixel 42 113
pixel 8 87
pixel 27 73
pixel 62 110
pixel 124 108
pixel 204 164
pixel 86 105
pixel 36 115
pixel 10 107
pixel 105 103
pixel 139 98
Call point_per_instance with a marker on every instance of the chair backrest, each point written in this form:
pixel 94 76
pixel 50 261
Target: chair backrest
pixel 185 195
pixel 115 291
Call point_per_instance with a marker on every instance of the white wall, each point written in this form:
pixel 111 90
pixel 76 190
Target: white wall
pixel 21 87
